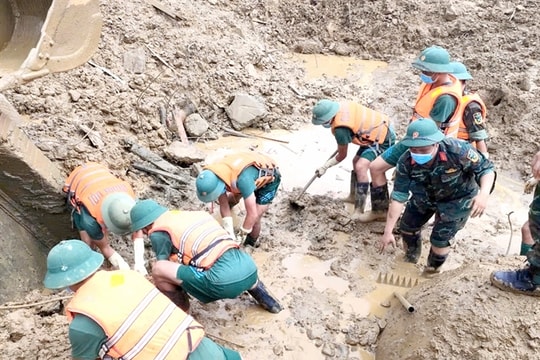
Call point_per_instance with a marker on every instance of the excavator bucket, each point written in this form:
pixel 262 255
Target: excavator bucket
pixel 39 37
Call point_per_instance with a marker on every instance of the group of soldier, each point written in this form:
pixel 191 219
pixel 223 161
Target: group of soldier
pixel 120 313
pixel 442 166
pixel 442 171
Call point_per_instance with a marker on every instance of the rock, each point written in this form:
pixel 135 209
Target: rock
pixel 183 153
pixel 195 125
pixel 135 61
pixel 244 111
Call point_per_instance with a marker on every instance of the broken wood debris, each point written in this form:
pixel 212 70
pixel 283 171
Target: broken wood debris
pixel 165 9
pixel 241 134
pixel 106 71
pixel 179 178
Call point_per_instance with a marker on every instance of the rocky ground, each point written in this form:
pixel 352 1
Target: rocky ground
pixel 215 49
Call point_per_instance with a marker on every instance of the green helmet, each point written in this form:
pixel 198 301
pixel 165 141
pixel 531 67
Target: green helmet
pixel 422 132
pixel 115 211
pixel 460 71
pixel 324 111
pixel 145 212
pixel 434 59
pixel 70 262
pixel 209 186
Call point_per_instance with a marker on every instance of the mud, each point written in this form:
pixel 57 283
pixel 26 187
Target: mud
pixel 320 263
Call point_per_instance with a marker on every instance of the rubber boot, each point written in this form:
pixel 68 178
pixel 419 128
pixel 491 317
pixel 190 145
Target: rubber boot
pixel 434 262
pixel 414 246
pixel 379 205
pixel 264 298
pixel 179 297
pixel 352 189
pixel 250 241
pixel 361 197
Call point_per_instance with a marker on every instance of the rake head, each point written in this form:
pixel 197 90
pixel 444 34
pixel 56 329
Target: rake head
pixel 397 280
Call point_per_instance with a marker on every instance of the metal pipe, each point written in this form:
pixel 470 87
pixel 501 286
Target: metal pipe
pixel 407 305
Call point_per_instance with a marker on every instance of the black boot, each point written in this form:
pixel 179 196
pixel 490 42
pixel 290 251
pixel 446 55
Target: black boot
pixel 361 196
pixel 250 241
pixel 434 262
pixel 379 205
pixel 179 297
pixel 414 246
pixel 264 298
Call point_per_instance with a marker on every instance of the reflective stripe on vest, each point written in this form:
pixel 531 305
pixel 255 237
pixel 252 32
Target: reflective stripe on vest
pixel 229 168
pixel 198 237
pixel 89 184
pixel 367 125
pixel 139 321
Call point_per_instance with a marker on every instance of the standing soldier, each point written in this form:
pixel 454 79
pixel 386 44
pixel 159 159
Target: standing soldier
pixel 438 176
pixel 438 99
pixel 195 254
pixel 372 131
pixel 249 175
pixel 101 202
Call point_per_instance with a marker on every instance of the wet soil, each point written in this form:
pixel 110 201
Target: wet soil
pixel 322 265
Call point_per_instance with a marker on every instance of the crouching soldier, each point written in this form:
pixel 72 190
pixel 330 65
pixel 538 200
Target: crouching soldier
pixel 197 255
pixel 100 203
pixel 249 175
pixel 121 315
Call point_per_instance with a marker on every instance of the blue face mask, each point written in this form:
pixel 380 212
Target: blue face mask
pixel 421 159
pixel 426 79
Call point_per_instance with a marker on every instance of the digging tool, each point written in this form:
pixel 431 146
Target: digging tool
pixel 295 201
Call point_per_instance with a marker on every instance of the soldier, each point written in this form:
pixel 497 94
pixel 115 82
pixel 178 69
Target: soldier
pixel 447 178
pixel 195 254
pixel 470 125
pixel 372 131
pixel 249 175
pixel 527 280
pixel 121 315
pixel 437 99
pixel 100 202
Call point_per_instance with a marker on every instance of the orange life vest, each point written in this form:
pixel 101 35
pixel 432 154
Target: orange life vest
pixel 368 126
pixel 89 184
pixel 229 168
pixel 140 322
pixel 197 236
pixel 427 97
pixel 462 132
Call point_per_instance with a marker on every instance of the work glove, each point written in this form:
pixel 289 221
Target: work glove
pixel 241 235
pixel 138 250
pixel 327 165
pixel 227 223
pixel 530 185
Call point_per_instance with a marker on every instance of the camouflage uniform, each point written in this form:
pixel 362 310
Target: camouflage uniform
pixel 534 225
pixel 525 280
pixel 445 188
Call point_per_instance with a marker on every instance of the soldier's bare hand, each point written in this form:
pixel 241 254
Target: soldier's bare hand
pixel 386 239
pixel 479 203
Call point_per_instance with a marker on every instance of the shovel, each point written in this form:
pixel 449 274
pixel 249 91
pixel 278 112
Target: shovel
pixel 295 201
